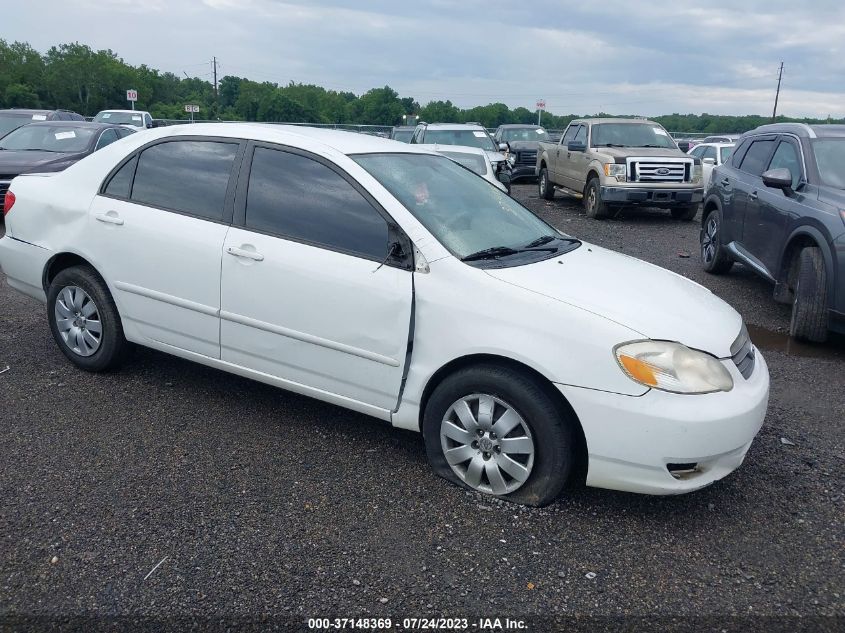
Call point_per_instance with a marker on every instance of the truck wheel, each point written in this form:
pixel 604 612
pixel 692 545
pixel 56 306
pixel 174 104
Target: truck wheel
pixel 809 310
pixel 498 431
pixel 547 189
pixel 593 204
pixel 686 212
pixel 713 256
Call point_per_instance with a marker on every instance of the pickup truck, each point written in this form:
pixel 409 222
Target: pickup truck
pixel 616 163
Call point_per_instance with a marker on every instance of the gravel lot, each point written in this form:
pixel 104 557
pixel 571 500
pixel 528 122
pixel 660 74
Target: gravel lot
pixel 262 503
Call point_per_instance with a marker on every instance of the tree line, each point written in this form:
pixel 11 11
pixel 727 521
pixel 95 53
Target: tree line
pixel 76 77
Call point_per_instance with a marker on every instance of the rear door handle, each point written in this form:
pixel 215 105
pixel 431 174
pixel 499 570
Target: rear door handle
pixel 726 181
pixel 752 195
pixel 110 218
pixel 240 252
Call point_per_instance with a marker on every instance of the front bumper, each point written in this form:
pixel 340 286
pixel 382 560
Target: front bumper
pixel 651 197
pixel 631 440
pixel 523 171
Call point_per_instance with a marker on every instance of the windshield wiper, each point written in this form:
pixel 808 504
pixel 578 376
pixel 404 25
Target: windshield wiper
pixel 658 146
pixel 543 239
pixel 500 251
pixel 609 145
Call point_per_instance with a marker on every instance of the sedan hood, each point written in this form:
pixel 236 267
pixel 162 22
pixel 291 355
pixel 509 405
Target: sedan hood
pixel 652 301
pixel 494 157
pixel 13 162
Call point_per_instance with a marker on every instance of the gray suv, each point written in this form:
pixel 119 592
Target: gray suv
pixel 778 206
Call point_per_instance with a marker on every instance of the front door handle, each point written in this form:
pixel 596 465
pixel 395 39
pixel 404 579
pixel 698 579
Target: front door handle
pixel 247 254
pixel 752 195
pixel 110 218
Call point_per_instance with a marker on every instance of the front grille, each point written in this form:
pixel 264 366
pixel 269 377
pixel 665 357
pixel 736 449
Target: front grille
pixel 742 353
pixel 660 169
pixel 526 157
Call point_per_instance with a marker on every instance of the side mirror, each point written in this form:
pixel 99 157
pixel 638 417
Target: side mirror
pixel 157 123
pixel 708 161
pixel 505 178
pixel 780 178
pixel 503 147
pixel 576 146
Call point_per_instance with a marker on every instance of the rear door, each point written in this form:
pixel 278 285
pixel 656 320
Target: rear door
pixel 309 293
pixel 158 228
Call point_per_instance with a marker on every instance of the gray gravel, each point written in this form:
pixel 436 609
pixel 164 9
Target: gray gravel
pixel 250 501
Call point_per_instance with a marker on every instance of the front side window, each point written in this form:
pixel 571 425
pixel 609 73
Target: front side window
pixel 757 157
pixel 49 138
pixel 631 135
pixel 187 176
pixel 463 212
pixel 786 157
pixel 830 158
pixel 709 152
pixel 697 151
pixel 297 197
pixel 570 133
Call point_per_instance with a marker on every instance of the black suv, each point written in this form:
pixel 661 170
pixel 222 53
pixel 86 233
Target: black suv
pixel 523 142
pixel 16 117
pixel 778 206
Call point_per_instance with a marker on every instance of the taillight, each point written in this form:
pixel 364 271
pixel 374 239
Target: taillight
pixel 8 202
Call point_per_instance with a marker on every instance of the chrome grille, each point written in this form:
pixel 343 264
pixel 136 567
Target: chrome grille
pixel 526 157
pixel 742 353
pixel 660 169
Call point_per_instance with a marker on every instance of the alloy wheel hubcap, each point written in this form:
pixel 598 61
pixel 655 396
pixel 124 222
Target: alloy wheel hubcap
pixel 78 321
pixel 710 240
pixel 487 444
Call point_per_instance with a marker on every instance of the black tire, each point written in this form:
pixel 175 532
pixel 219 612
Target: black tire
pixel 714 259
pixel 594 206
pixel 549 423
pixel 686 212
pixel 113 347
pixel 546 188
pixel 809 310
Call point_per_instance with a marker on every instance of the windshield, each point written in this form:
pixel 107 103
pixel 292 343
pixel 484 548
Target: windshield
pixel 470 138
pixel 10 121
pixel 476 162
pixel 726 153
pixel 120 118
pixel 402 135
pixel 48 138
pixel 524 134
pixel 464 212
pixel 830 158
pixel 630 135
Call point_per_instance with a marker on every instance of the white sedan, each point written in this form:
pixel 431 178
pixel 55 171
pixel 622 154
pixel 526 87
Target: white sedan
pixel 387 279
pixel 474 159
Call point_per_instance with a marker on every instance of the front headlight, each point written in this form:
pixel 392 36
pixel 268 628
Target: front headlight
pixel 511 159
pixel 617 170
pixel 696 173
pixel 672 367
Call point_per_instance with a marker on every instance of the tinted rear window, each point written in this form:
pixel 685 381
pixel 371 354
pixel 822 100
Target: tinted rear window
pixel 187 176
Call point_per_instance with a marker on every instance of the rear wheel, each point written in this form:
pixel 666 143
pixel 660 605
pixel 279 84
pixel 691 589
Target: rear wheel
pixel 713 256
pixel 84 320
pixel 547 190
pixel 686 212
pixel 593 204
pixel 809 310
pixel 496 430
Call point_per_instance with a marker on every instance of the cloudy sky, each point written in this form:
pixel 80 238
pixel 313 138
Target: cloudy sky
pixel 635 57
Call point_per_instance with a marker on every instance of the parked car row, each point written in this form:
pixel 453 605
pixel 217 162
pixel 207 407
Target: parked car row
pixel 392 281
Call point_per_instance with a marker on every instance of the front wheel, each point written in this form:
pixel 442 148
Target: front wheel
pixel 498 431
pixel 547 190
pixel 594 206
pixel 84 320
pixel 809 310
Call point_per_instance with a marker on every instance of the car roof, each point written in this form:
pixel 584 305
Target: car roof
pixel 715 144
pixel 801 129
pixel 343 141
pixel 29 111
pixel 615 120
pixel 454 126
pixel 513 125
pixel 126 111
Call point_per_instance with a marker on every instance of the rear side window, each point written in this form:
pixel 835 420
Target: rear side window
pixel 294 196
pixel 120 184
pixel 186 176
pixel 757 157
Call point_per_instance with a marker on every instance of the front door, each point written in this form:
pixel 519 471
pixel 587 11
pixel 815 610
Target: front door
pixel 305 296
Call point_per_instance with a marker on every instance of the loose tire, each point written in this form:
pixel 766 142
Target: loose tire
pixel 547 190
pixel 809 309
pixel 686 212
pixel 84 320
pixel 498 431
pixel 714 259
pixel 593 204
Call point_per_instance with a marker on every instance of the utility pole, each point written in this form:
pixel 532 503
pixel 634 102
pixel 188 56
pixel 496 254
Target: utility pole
pixel 777 94
pixel 214 63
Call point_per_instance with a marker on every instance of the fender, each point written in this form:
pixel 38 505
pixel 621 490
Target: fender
pixel 821 240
